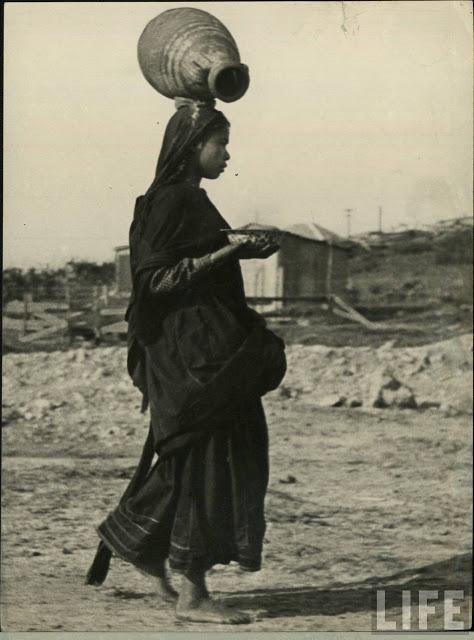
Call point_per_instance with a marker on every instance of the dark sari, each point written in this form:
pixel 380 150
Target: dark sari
pixel 202 359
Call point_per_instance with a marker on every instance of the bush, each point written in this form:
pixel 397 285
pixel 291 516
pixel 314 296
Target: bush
pixel 49 284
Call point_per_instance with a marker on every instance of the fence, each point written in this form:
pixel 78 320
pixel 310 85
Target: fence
pixel 90 311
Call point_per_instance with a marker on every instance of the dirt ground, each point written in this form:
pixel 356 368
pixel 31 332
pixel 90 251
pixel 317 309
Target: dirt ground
pixel 359 500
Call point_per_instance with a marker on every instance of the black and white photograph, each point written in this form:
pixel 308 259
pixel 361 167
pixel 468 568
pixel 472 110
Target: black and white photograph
pixel 237 387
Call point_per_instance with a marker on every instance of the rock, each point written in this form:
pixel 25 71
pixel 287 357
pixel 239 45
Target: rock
pixel 78 398
pixel 288 480
pixel 80 355
pixel 10 415
pixel 387 346
pixel 285 392
pixel 461 405
pixel 331 400
pixel 42 405
pixel 403 398
pixel 387 391
pixel 435 357
pixel 423 405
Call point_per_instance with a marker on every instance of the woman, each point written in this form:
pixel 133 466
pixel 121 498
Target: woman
pixel 202 359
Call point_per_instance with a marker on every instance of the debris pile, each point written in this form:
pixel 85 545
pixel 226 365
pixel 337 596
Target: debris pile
pixel 433 376
pixel 64 394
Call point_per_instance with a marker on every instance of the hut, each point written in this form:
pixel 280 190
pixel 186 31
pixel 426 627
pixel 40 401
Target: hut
pixel 312 263
pixel 123 276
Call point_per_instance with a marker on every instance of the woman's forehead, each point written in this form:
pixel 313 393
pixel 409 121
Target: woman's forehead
pixel 220 135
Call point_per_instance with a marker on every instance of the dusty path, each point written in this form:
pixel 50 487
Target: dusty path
pixel 378 498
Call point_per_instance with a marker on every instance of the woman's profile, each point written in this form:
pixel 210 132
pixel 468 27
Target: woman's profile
pixel 202 360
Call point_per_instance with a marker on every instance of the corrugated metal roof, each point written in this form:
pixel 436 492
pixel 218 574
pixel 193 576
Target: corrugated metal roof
pixel 313 231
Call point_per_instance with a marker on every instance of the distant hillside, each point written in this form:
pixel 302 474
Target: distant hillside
pixel 428 265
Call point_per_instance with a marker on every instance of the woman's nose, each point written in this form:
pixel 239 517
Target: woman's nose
pixel 227 156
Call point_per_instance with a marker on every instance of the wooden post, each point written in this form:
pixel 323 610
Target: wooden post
pixel 67 300
pixel 27 300
pixel 105 295
pixel 329 272
pixel 96 313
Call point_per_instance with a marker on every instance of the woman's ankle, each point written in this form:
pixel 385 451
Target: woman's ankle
pixel 193 588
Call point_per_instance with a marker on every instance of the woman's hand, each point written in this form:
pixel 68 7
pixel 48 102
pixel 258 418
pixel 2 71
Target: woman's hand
pixel 249 250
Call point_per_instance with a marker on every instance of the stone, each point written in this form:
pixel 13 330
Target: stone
pixel 387 346
pixel 10 415
pixel 42 404
pixel 331 400
pixel 403 398
pixel 79 355
pixel 425 404
pixel 387 391
pixel 288 480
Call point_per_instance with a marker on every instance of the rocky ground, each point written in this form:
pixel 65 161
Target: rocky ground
pixel 371 453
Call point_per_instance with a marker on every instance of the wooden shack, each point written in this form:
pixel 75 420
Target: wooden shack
pixel 123 276
pixel 312 263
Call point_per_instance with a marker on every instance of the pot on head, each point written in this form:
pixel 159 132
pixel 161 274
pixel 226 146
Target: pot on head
pixel 187 52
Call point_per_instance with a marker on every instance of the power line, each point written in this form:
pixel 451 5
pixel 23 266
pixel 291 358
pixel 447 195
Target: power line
pixel 348 216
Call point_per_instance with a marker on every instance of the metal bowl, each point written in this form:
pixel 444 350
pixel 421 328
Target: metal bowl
pixel 256 236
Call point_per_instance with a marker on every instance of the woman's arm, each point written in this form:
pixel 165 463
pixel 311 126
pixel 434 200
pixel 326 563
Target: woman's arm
pixel 188 271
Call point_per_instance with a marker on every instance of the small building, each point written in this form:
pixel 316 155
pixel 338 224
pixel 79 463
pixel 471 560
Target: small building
pixel 312 263
pixel 123 276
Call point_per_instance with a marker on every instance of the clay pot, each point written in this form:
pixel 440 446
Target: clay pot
pixel 188 53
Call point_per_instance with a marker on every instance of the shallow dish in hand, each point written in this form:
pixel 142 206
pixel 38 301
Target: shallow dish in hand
pixel 257 235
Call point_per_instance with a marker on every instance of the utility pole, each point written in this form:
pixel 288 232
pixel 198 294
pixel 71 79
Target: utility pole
pixel 380 219
pixel 348 215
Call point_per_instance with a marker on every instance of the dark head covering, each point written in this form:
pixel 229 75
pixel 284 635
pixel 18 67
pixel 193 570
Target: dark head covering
pixel 192 122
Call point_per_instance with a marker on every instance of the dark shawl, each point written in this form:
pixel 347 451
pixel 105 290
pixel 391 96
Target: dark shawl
pixel 167 227
pixel 185 129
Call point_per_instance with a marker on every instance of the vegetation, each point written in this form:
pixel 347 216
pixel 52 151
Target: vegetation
pixel 50 284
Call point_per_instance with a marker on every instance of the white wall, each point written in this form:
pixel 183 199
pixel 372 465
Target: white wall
pixel 263 278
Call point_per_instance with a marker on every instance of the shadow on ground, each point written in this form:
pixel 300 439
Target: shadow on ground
pixel 337 599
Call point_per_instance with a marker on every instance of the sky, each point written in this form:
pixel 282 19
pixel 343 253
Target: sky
pixel 351 105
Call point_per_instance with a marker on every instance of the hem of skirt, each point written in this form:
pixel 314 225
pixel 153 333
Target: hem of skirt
pixel 183 567
pixel 122 556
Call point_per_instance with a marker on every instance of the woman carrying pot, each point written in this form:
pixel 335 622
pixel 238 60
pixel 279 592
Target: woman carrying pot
pixel 202 360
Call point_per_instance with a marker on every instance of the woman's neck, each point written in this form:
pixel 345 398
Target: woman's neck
pixel 191 176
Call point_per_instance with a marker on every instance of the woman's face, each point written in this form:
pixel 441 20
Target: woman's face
pixel 213 155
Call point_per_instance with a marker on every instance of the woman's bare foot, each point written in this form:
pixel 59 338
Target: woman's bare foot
pixel 195 605
pixel 162 586
pixel 208 610
pixel 165 590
